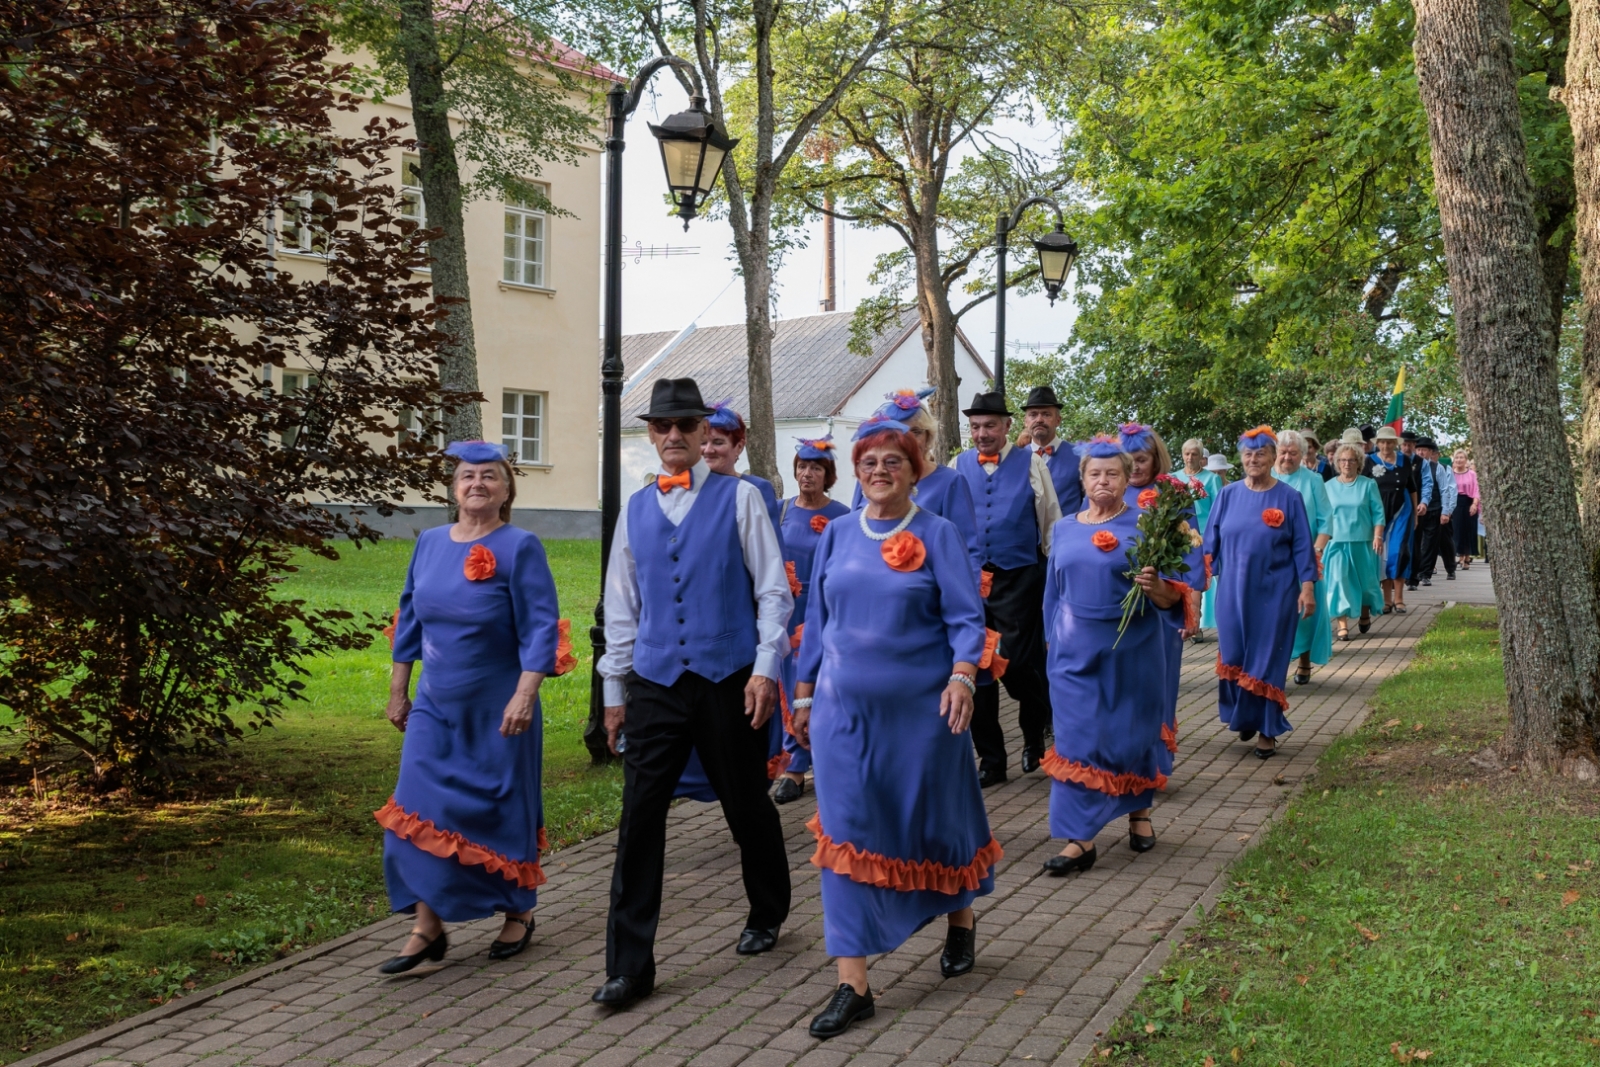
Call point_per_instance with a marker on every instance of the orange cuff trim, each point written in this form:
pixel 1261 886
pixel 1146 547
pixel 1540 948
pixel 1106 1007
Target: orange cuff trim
pixel 985 583
pixel 1191 612
pixel 991 660
pixel 565 659
pixel 1208 570
pixel 794 638
pixel 1238 677
pixel 794 582
pixel 394 624
pixel 447 843
pixel 1169 737
pixel 1117 785
pixel 869 868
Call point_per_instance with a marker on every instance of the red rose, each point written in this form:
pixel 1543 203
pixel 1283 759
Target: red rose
pixel 1147 498
pixel 480 564
pixel 904 551
pixel 1272 517
pixel 1104 540
pixel 818 522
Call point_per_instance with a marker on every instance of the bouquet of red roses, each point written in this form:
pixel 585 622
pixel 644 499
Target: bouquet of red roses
pixel 1165 536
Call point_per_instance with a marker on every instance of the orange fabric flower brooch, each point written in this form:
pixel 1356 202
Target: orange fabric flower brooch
pixel 818 523
pixel 480 564
pixel 1147 498
pixel 904 551
pixel 1104 540
pixel 1272 517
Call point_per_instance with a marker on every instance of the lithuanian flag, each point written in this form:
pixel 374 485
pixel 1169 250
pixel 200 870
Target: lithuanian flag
pixel 1396 415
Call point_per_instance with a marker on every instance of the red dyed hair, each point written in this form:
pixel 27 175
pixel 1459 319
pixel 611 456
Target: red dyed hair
pixel 901 441
pixel 736 435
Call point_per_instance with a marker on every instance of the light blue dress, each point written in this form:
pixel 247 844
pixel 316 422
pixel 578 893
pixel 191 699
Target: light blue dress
pixel 1313 635
pixel 1350 568
pixel 1212 483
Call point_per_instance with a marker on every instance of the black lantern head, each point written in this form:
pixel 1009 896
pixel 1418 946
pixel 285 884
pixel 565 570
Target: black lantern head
pixel 1057 253
pixel 691 150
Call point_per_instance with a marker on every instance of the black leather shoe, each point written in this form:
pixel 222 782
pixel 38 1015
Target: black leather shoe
pixel 1247 735
pixel 1450 577
pixel 504 950
pixel 1141 842
pixel 620 990
pixel 432 952
pixel 1302 679
pixel 788 790
pixel 846 1007
pixel 960 951
pixel 1266 753
pixel 1031 757
pixel 754 942
pixel 1060 866
pixel 988 776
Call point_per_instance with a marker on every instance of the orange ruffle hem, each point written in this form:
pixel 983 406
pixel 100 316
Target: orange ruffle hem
pixel 447 843
pixel 985 583
pixel 869 868
pixel 1169 737
pixel 479 566
pixel 904 551
pixel 794 582
pixel 1117 785
pixel 1244 681
pixel 1208 570
pixel 394 624
pixel 991 660
pixel 1272 517
pixel 794 638
pixel 565 658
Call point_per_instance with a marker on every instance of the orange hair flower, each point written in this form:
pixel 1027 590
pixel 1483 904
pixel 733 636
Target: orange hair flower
pixel 1272 517
pixel 1104 540
pixel 1147 498
pixel 480 564
pixel 904 551
pixel 818 523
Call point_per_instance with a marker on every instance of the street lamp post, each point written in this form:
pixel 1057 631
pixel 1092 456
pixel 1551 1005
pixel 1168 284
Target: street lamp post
pixel 1057 252
pixel 692 150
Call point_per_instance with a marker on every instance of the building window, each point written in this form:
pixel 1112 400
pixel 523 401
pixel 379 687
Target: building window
pixel 301 231
pixel 412 205
pixel 525 244
pixel 296 383
pixel 412 424
pixel 522 426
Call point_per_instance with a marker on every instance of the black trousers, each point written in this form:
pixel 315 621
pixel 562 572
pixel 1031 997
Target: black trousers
pixel 663 723
pixel 1434 541
pixel 1015 610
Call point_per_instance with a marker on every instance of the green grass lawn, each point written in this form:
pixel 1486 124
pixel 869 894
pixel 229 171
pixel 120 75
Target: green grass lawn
pixel 1411 907
pixel 108 905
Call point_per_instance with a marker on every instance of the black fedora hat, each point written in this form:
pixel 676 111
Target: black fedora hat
pixel 1408 435
pixel 988 404
pixel 1427 442
pixel 675 398
pixel 1041 396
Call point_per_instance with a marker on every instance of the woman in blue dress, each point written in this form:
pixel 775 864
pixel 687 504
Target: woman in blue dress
pixel 894 632
pixel 1109 694
pixel 1313 637
pixel 1259 542
pixel 804 517
pixel 1351 563
pixel 465 826
pixel 1399 485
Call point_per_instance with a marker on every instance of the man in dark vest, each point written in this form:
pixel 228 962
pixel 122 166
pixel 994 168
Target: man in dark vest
pixel 696 603
pixel 1015 501
pixel 1041 415
pixel 1435 503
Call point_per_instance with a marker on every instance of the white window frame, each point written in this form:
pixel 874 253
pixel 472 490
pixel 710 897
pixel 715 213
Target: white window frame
pixel 514 268
pixel 295 235
pixel 410 426
pixel 293 383
pixel 518 409
pixel 412 204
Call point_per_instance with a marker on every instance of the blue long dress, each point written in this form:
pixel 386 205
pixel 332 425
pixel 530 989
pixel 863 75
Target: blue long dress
pixel 1258 569
pixel 902 834
pixel 1396 484
pixel 465 826
pixel 1110 700
pixel 1196 579
pixel 800 535
pixel 1313 635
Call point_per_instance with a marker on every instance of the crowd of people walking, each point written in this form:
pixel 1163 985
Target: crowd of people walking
pixel 752 639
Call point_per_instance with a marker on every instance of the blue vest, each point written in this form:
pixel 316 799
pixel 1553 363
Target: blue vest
pixel 1063 464
pixel 697 606
pixel 1008 528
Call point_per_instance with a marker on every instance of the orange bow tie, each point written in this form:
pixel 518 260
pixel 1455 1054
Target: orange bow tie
pixel 681 480
pixel 1048 450
pixel 983 459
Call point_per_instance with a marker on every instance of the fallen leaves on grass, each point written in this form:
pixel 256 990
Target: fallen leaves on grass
pixel 1390 723
pixel 1370 935
pixel 1405 1055
pixel 199 900
pixel 1569 898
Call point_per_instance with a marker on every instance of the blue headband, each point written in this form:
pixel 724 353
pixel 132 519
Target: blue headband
pixel 878 424
pixel 476 451
pixel 723 417
pixel 818 448
pixel 1101 446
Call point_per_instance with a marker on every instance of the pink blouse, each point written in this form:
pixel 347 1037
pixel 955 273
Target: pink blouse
pixel 1467 484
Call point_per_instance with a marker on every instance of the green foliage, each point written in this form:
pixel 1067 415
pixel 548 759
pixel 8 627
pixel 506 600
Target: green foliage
pixel 1444 909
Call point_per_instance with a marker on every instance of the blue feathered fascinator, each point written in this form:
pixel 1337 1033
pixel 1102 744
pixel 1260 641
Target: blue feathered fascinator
pixel 476 451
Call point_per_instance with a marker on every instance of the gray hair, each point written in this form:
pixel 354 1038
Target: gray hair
pixel 1346 446
pixel 1126 459
pixel 922 419
pixel 1292 438
pixel 1193 442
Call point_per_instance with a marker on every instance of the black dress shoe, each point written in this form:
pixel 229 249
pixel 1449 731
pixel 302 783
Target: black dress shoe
pixel 1060 866
pixel 1266 753
pixel 788 790
pixel 960 951
pixel 620 990
pixel 1141 842
pixel 988 776
pixel 1031 757
pixel 1302 679
pixel 1247 735
pixel 1450 577
pixel 504 950
pixel 432 952
pixel 845 1008
pixel 753 942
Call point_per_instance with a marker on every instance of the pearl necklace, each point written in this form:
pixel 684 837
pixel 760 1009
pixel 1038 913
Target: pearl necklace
pixel 1102 522
pixel 899 528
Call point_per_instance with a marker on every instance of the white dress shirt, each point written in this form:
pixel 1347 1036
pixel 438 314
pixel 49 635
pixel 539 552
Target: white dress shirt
pixel 1046 508
pixel 762 558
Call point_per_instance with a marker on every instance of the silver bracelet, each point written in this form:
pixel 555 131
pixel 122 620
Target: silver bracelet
pixel 972 687
pixel 801 702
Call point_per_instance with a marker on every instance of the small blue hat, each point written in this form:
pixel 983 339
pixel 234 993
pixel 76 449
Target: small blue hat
pixel 904 403
pixel 877 423
pixel 1100 446
pixel 818 448
pixel 1136 437
pixel 1260 437
pixel 723 417
pixel 476 451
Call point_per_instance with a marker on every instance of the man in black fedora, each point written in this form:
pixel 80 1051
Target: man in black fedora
pixel 1436 500
pixel 1015 501
pixel 696 610
pixel 1041 417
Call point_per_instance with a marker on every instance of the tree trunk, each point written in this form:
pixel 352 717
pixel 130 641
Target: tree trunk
pixel 1550 635
pixel 761 445
pixel 938 340
pixel 1582 97
pixel 442 199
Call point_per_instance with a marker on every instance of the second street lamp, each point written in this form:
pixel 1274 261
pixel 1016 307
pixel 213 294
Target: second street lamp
pixel 692 150
pixel 1057 253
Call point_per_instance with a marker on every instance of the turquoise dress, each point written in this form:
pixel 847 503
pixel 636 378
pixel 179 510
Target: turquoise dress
pixel 1202 511
pixel 1313 635
pixel 1350 568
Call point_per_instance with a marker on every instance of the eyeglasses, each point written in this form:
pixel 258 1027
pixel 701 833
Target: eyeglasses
pixel 889 464
pixel 688 424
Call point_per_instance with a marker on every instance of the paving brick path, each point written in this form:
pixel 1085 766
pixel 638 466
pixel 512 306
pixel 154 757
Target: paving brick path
pixel 1055 956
